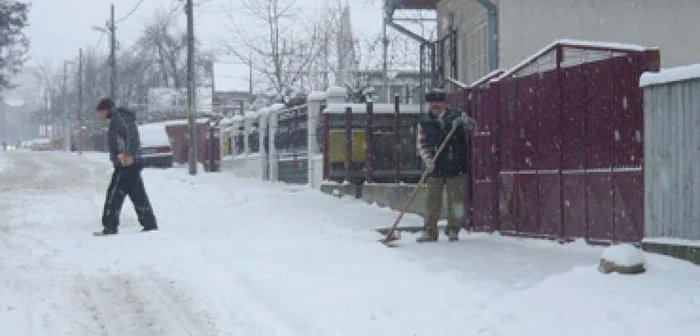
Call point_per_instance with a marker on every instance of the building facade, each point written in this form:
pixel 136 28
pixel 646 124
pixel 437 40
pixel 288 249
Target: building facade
pixel 526 26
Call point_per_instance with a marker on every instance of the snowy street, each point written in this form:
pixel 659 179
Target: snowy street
pixel 245 257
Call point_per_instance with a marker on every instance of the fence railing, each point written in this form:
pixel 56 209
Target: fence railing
pixel 291 144
pixel 368 143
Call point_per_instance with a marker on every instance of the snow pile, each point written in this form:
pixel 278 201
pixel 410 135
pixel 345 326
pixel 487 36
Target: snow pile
pixel 671 75
pixel 623 255
pixel 584 302
pixel 622 258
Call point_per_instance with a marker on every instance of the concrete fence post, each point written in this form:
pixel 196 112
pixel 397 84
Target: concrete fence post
pixel 315 101
pixel 263 117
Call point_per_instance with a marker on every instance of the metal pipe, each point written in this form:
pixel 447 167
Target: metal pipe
pixel 348 144
pixel 369 144
pixel 422 79
pixel 407 32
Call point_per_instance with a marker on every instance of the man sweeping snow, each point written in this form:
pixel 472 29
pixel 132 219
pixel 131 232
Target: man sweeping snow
pixel 125 153
pixel 449 169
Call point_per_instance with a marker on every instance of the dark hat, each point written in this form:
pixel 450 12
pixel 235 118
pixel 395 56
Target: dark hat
pixel 105 104
pixel 436 95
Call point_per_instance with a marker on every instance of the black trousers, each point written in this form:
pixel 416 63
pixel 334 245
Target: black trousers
pixel 127 181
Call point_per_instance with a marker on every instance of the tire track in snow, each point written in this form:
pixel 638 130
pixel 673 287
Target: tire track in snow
pixel 179 305
pixel 262 315
pixel 135 305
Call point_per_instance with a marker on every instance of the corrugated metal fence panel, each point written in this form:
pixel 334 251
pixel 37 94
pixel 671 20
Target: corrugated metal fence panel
pixel 672 155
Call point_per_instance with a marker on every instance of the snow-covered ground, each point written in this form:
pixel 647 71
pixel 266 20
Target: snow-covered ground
pixel 3 161
pixel 244 257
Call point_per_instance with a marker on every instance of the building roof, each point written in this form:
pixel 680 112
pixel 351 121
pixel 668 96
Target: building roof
pixel 231 77
pixel 670 75
pixel 412 4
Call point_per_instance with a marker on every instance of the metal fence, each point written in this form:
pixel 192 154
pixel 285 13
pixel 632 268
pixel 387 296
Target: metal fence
pixel 364 143
pixel 291 144
pixel 559 149
pixel 672 152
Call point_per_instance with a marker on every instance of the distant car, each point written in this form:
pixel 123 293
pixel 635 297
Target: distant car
pixel 155 146
pixel 40 145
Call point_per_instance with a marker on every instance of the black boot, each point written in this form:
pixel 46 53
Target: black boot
pixel 107 232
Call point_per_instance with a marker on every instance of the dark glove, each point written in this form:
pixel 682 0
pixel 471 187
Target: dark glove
pixel 469 124
pixel 457 122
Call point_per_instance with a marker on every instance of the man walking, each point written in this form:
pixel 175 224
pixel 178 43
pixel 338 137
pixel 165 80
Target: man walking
pixel 449 169
pixel 125 153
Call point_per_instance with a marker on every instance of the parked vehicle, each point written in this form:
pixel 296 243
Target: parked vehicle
pixel 41 145
pixel 155 146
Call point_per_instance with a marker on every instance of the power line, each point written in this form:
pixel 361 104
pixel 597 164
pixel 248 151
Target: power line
pixel 99 41
pixel 131 12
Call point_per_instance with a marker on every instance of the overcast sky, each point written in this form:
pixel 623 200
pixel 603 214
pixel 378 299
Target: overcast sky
pixel 58 28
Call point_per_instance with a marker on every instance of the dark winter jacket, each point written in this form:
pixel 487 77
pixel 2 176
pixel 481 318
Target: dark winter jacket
pixel 432 132
pixel 123 135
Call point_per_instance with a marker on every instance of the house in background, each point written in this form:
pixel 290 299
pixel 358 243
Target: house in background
pixel 232 88
pixel 166 103
pixel 476 37
pixel 403 82
pixel 521 28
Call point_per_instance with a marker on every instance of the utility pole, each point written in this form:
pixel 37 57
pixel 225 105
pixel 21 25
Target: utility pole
pixel 64 106
pixel 385 61
pixel 191 89
pixel 81 121
pixel 112 55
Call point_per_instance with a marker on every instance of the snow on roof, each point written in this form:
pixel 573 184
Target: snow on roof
pixel 317 95
pixel 339 108
pixel 153 135
pixel 670 75
pixel 178 122
pixel 573 43
pixel 231 77
pixel 264 111
pixel 601 44
pixel 204 99
pixel 276 107
pixel 336 91
pixel 250 115
pixel 237 118
pixel 489 77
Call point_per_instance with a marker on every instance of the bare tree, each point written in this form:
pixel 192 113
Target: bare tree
pixel 165 44
pixel 284 52
pixel 13 42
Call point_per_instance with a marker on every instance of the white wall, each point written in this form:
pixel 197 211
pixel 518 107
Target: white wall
pixel 244 166
pixel 672 153
pixel 526 26
pixel 470 20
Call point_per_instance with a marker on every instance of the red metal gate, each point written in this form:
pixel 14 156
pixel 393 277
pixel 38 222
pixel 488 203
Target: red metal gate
pixel 559 149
